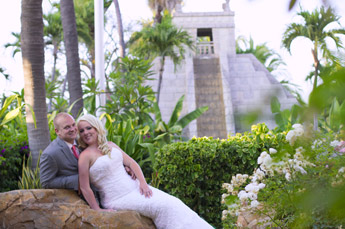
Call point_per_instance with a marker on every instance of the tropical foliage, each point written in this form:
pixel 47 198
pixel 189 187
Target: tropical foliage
pixel 30 179
pixel 315 29
pixel 268 57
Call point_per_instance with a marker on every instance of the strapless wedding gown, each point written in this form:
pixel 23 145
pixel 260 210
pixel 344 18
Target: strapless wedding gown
pixel 120 192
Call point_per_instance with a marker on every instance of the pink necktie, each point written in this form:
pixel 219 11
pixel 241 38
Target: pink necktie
pixel 74 150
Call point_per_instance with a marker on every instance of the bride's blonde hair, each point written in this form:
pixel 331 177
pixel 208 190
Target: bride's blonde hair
pixel 102 133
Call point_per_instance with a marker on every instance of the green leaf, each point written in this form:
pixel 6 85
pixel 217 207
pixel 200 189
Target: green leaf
pixel 185 120
pixel 157 112
pixel 229 200
pixel 10 116
pixel 175 129
pixel 7 102
pixel 275 105
pixel 292 4
pixel 160 136
pixel 176 112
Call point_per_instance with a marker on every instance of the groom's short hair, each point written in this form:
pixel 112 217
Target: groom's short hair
pixel 58 116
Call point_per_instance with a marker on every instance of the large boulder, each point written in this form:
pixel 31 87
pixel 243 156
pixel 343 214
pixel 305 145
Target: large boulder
pixel 60 208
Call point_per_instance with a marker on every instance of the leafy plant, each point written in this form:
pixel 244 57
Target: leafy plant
pixel 166 133
pixel 7 116
pixel 299 183
pixel 287 117
pixel 90 93
pixel 130 98
pixel 13 146
pixel 30 179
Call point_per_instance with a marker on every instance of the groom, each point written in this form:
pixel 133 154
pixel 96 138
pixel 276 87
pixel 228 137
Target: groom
pixel 58 163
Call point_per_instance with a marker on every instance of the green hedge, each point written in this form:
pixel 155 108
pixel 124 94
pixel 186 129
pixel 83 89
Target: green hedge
pixel 194 171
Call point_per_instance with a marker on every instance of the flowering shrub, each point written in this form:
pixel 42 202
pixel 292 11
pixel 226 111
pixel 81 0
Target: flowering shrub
pixel 298 184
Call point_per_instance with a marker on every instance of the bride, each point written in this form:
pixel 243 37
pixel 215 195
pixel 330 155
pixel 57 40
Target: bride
pixel 102 164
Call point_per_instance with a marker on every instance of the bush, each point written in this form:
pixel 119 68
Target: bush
pixel 194 171
pixel 12 151
pixel 299 184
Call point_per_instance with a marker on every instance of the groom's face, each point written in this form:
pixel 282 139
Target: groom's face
pixel 66 128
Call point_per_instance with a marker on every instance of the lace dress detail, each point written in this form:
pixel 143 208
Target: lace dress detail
pixel 120 192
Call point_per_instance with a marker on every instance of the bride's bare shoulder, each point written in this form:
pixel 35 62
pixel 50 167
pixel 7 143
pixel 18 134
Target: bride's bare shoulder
pixel 112 144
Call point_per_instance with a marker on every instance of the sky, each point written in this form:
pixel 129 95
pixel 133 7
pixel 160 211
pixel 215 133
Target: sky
pixel 264 20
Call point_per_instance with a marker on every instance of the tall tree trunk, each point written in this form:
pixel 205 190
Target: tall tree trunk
pixel 56 48
pixel 316 69
pixel 158 16
pixel 72 55
pixel 161 70
pixel 122 48
pixel 32 44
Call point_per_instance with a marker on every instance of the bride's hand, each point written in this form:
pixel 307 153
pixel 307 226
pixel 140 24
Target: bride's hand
pixel 145 190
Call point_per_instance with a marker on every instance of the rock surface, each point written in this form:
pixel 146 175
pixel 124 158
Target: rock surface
pixel 253 220
pixel 60 208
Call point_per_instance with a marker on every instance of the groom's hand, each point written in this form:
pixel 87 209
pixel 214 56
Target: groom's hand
pixel 130 172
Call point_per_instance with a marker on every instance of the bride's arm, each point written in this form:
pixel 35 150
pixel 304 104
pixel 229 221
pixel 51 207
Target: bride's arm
pixel 133 165
pixel 84 181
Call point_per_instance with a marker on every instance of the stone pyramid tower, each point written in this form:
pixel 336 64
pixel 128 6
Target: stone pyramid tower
pixel 231 85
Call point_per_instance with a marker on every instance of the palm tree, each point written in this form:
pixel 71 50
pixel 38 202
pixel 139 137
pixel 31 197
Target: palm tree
pixel 32 46
pixel 72 55
pixel 314 29
pixel 161 40
pixel 268 57
pixel 122 50
pixel 159 6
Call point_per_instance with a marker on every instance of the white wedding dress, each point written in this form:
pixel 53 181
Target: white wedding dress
pixel 120 192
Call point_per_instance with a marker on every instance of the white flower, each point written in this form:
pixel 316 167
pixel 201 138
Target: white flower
pixel 242 195
pixel 258 175
pixel 297 126
pixel 300 150
pixel 298 156
pixel 288 176
pixel 252 195
pixel 267 160
pixel 262 156
pixel 272 151
pixel 341 170
pixel 291 137
pixel 297 130
pixel 300 169
pixel 261 185
pixel 224 195
pixel 225 185
pixel 335 143
pixel 252 187
pixel 316 143
pixel 254 204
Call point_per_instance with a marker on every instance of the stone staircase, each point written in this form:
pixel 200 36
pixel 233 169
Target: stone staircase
pixel 209 92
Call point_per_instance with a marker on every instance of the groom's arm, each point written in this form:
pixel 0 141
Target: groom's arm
pixel 48 175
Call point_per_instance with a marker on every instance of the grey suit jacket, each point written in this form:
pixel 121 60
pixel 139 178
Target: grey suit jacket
pixel 58 166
